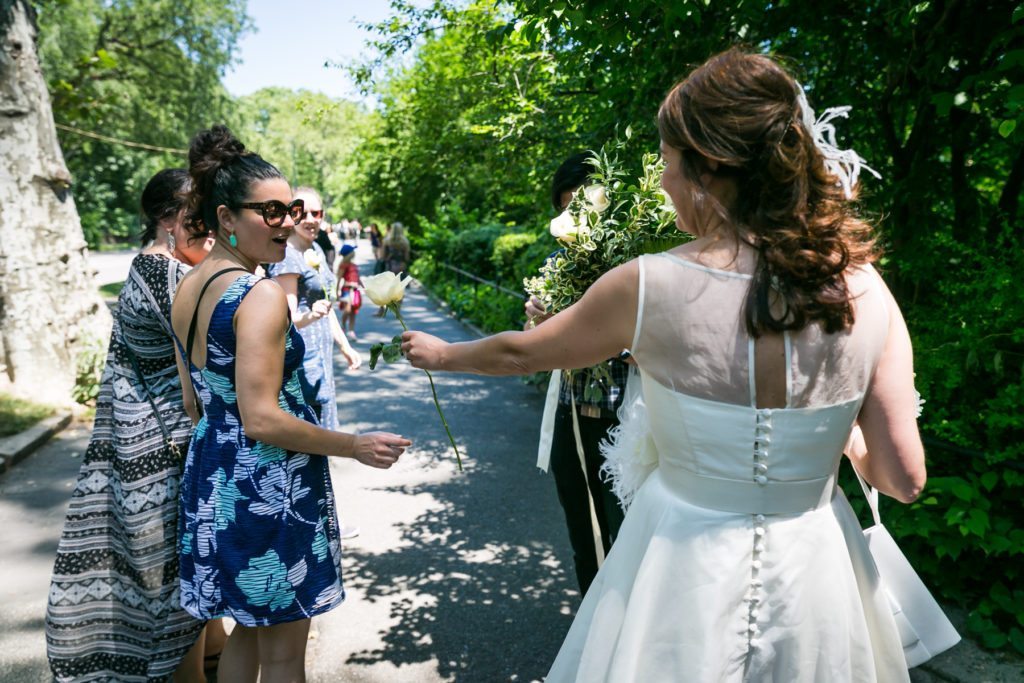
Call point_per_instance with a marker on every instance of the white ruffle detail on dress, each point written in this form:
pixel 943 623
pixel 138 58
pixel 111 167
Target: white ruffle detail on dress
pixel 629 452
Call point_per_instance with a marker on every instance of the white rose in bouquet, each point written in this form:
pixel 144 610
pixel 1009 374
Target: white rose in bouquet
pixel 666 204
pixel 597 198
pixel 567 228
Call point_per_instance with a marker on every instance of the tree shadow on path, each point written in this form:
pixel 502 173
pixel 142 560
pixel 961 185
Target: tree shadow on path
pixel 481 581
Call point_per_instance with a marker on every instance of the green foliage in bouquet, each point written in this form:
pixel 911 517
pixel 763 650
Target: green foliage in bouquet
pixel 608 222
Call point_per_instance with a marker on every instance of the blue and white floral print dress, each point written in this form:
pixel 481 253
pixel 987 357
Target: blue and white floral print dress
pixel 258 527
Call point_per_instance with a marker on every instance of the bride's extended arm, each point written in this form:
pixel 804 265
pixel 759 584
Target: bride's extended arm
pixel 595 328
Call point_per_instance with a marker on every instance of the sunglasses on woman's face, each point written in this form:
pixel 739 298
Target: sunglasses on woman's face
pixel 274 212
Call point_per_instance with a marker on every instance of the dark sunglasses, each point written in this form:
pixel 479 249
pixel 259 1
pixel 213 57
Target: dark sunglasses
pixel 317 215
pixel 274 211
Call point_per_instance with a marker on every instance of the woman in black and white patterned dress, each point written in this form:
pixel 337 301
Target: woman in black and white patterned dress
pixel 113 611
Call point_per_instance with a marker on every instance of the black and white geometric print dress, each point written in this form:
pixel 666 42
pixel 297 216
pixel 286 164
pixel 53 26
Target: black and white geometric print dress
pixel 113 611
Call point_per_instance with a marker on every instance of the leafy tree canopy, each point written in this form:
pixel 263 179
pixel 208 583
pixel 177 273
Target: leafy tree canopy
pixel 312 139
pixel 143 71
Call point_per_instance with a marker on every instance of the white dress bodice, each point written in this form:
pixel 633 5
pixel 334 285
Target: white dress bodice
pixel 741 459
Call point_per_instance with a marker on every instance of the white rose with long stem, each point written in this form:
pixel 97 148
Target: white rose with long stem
pixel 385 288
pixel 388 289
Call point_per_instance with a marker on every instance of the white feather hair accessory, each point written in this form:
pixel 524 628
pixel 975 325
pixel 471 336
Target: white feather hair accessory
pixel 845 164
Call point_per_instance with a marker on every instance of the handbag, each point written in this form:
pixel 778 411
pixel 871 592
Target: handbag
pixel 172 447
pixel 924 629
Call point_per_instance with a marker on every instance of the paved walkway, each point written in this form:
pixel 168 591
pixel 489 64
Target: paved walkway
pixel 454 577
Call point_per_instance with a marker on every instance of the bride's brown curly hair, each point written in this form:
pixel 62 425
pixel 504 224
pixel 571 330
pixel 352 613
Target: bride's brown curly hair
pixel 741 110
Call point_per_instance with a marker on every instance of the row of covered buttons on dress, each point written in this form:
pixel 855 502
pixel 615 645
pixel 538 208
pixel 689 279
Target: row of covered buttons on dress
pixel 756 583
pixel 762 443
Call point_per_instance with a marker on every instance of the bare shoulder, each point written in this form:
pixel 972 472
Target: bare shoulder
pixel 863 279
pixel 185 298
pixel 189 277
pixel 630 270
pixel 265 296
pixel 264 305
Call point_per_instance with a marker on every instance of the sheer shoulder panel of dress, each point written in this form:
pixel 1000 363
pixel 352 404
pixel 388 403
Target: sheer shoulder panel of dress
pixel 691 336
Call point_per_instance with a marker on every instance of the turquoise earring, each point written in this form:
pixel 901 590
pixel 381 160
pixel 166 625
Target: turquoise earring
pixel 232 240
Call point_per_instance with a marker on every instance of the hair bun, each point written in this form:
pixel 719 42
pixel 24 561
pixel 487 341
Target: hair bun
pixel 217 147
pixel 222 172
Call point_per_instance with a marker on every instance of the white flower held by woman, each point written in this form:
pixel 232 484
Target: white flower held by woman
pixel 312 259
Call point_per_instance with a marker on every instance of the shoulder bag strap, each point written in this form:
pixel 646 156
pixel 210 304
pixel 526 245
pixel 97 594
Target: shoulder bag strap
pixel 872 495
pixel 148 293
pixel 173 447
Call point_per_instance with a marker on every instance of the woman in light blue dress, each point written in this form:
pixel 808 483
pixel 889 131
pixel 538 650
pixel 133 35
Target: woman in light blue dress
pixel 307 281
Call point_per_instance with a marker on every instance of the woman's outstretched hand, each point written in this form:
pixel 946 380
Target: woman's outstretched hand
pixel 423 350
pixel 379 449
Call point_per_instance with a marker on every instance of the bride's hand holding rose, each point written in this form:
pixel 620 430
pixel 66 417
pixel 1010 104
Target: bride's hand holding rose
pixel 423 350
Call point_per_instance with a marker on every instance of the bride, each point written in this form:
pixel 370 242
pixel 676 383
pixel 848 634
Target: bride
pixel 760 344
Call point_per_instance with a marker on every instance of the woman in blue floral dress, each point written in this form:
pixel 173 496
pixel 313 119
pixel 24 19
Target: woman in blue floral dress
pixel 258 529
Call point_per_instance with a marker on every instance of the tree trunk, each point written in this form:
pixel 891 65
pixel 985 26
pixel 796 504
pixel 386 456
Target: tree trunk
pixel 49 304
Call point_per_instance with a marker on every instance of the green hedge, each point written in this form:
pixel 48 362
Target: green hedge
pixel 486 307
pixel 499 253
pixel 965 534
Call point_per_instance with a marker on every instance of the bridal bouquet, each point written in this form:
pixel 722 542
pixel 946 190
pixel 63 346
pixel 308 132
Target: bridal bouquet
pixel 607 223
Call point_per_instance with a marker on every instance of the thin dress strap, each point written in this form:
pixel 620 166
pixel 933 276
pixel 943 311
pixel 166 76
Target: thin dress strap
pixel 640 303
pixel 750 370
pixel 195 314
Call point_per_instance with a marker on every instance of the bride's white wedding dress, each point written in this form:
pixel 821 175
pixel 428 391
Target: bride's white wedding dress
pixel 739 559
